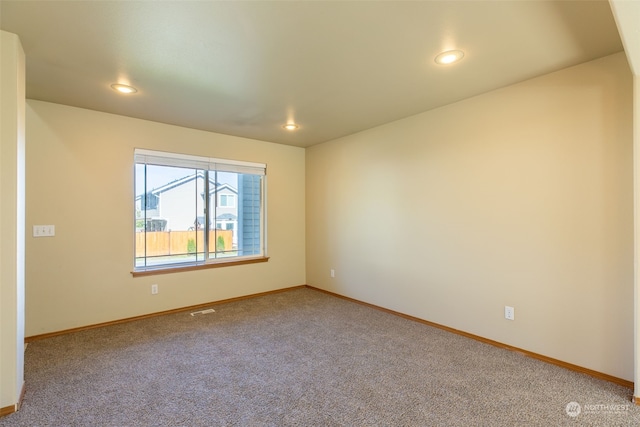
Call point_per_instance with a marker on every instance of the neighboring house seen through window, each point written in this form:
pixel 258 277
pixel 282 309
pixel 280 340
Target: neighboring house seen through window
pixel 193 210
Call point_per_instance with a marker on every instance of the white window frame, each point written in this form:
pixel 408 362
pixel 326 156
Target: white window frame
pixel 160 158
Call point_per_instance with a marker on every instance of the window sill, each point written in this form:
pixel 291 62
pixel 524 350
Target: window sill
pixel 169 270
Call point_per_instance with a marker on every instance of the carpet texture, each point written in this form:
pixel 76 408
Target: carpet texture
pixel 301 358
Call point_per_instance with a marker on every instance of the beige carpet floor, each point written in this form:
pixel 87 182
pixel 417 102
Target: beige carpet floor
pixel 301 358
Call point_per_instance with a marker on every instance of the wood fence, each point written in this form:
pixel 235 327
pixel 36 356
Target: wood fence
pixel 161 243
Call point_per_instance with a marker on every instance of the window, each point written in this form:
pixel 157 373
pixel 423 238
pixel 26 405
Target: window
pixel 227 201
pixel 193 210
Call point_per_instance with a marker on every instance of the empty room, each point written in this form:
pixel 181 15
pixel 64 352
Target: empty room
pixel 319 213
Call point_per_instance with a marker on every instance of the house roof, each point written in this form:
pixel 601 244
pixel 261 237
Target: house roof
pixel 334 67
pixel 227 217
pixel 213 186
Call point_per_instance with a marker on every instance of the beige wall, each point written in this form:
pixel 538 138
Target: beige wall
pixel 522 196
pixel 626 14
pixel 12 193
pixel 80 179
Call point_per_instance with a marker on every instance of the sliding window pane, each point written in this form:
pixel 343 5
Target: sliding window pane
pixel 223 214
pixel 235 215
pixel 169 215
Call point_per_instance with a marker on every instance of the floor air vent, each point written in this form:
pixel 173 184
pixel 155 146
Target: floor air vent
pixel 201 312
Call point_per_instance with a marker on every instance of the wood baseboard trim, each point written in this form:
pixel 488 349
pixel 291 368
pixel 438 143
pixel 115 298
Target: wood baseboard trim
pixel 8 410
pixel 636 400
pixel 570 366
pixel 159 313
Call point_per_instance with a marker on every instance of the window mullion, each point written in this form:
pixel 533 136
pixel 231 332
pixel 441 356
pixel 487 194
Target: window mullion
pixel 144 209
pixel 215 212
pixel 207 224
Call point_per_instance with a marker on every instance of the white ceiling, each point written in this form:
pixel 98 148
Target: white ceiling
pixel 334 67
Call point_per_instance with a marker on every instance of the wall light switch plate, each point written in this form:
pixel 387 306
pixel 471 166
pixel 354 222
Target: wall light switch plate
pixel 44 230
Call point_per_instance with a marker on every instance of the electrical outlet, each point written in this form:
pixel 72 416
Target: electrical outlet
pixel 509 313
pixel 154 289
pixel 333 273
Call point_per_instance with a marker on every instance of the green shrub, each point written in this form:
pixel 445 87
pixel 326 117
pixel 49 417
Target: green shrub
pixel 191 246
pixel 220 244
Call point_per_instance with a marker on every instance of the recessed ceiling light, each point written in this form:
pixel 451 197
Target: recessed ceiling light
pixel 291 126
pixel 449 57
pixel 124 88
